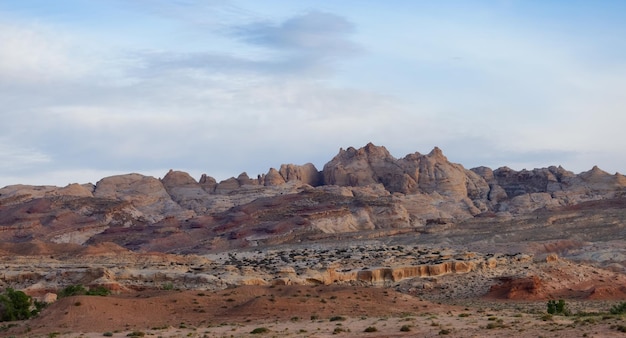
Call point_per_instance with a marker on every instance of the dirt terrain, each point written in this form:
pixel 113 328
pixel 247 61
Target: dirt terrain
pixel 306 311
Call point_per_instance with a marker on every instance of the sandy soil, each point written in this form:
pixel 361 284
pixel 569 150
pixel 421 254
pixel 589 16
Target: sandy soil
pixel 305 311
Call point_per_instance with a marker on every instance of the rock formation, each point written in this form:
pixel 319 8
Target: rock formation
pixel 363 191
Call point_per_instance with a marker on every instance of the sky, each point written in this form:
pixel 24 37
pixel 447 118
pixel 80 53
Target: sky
pixel 94 88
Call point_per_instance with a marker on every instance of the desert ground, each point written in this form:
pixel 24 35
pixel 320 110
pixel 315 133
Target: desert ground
pixel 310 311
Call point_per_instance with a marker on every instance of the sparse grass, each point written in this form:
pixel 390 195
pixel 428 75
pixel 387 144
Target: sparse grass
pixel 108 334
pixel 337 318
pixel 136 334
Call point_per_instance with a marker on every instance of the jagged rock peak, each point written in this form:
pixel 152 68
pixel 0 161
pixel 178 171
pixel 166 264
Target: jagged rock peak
pixel 206 179
pixel 437 153
pixel 369 150
pixel 207 183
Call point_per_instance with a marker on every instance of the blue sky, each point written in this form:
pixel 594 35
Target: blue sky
pixel 93 88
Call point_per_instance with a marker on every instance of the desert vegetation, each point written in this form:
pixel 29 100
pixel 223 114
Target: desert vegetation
pixel 16 305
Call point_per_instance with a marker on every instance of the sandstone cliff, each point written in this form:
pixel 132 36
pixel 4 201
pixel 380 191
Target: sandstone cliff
pixel 365 191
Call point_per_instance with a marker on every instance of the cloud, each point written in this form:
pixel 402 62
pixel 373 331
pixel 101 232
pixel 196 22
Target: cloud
pixel 318 32
pixel 311 44
pixel 15 159
pixel 311 41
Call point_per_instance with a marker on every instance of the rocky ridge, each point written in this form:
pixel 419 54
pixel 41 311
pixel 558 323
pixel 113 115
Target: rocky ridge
pixel 361 191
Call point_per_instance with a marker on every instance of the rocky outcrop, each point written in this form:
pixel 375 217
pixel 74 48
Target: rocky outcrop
pixel 303 174
pixel 306 174
pixel 359 190
pixel 272 178
pixel 15 194
pixel 523 288
pixel 415 173
pixel 146 194
pixel 381 275
pixel 188 193
pixel 362 167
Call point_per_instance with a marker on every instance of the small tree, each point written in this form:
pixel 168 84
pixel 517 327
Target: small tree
pixel 15 305
pixel 557 308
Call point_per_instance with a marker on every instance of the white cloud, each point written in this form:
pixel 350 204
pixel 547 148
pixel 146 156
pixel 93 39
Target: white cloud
pixel 34 54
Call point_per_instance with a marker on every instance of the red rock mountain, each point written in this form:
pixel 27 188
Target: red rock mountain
pixel 362 191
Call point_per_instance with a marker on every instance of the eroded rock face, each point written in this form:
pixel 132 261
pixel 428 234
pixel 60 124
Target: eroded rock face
pixel 366 166
pixel 306 174
pixel 415 173
pixel 381 275
pixel 359 190
pixel 273 177
pixel 145 193
pixel 188 193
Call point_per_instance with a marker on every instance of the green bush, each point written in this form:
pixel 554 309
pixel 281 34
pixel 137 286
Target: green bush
pixel 259 330
pixel 15 305
pixel 98 291
pixel 405 328
pixel 370 329
pixel 618 309
pixel 72 290
pixel 558 308
pixel 337 319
